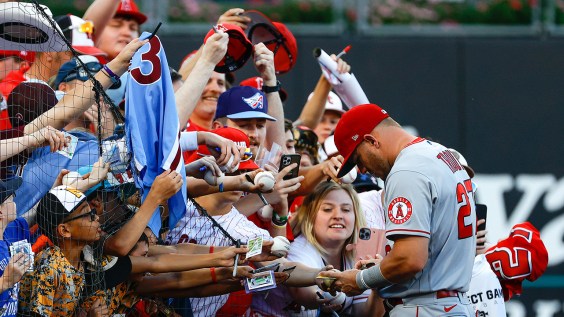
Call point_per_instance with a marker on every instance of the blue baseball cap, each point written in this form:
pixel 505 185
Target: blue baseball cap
pixel 243 102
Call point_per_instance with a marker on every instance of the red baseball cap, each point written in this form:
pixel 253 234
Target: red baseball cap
pixel 235 135
pixel 25 55
pixel 239 48
pixel 128 8
pixel 79 33
pixel 257 82
pixel 276 36
pixel 349 132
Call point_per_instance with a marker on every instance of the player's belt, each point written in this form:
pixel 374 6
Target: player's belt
pixel 390 303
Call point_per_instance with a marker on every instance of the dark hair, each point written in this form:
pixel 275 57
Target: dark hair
pixel 288 125
pixel 174 75
pixel 142 238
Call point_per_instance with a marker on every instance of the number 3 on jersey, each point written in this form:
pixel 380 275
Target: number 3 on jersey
pixel 465 209
pixel 151 56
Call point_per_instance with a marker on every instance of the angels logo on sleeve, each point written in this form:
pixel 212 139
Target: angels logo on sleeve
pixel 399 210
pixel 255 101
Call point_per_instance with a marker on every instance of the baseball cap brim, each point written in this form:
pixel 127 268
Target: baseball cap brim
pixel 137 16
pixel 250 115
pixel 90 50
pixel 347 166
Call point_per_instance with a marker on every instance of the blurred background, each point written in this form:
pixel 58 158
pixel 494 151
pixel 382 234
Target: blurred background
pixel 482 76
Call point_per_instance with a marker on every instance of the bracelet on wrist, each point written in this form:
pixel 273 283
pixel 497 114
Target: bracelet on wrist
pixel 113 77
pixel 211 249
pixel 213 276
pixel 269 89
pixel 279 225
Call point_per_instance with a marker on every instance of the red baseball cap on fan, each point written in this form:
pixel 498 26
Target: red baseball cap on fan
pixel 235 135
pixel 257 82
pixel 239 48
pixel 25 55
pixel 349 133
pixel 129 9
pixel 276 36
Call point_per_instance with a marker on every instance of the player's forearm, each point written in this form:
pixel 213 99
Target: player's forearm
pixel 188 95
pixel 121 242
pixel 313 109
pixel 407 258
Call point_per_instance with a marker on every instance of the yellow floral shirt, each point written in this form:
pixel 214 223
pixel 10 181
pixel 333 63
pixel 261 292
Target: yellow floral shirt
pixel 53 288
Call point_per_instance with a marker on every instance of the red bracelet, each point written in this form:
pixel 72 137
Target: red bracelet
pixel 214 278
pixel 211 248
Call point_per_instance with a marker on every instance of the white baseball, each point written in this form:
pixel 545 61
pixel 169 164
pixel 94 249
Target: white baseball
pixel 210 178
pixel 227 167
pixel 71 178
pixel 281 246
pixel 349 177
pixel 266 180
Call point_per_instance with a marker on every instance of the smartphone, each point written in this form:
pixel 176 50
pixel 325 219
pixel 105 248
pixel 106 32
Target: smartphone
pixel 481 213
pixel 288 159
pixel 370 241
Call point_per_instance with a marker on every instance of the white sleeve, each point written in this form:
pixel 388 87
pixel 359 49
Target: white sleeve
pixel 189 141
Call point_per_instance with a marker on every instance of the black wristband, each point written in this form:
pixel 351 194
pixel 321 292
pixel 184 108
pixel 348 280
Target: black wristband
pixel 269 89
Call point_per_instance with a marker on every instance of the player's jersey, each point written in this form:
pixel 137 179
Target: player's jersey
pixel 429 194
pixel 486 294
pixel 194 228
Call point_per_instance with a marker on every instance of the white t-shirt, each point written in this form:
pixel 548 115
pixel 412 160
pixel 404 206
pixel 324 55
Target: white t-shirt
pixel 371 205
pixel 301 251
pixel 485 294
pixel 195 228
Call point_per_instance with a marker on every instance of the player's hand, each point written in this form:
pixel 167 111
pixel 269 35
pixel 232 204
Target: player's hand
pixel 235 16
pixel 99 309
pixel 345 282
pixel 331 167
pixel 15 269
pixel 215 48
pixel 342 66
pixel 121 62
pixel 222 149
pixel 265 255
pixel 199 168
pixel 283 187
pixel 227 256
pixel 165 186
pixel 368 261
pixel 50 136
pixel 264 62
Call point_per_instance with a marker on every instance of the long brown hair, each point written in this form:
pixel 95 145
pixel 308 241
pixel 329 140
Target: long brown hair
pixel 307 214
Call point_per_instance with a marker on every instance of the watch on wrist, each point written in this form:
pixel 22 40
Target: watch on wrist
pixel 269 89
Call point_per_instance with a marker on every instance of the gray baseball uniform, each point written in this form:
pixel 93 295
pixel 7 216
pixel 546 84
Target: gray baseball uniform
pixel 429 194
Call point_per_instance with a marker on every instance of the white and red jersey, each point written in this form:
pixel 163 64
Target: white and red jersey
pixel 195 228
pixel 486 294
pixel 429 194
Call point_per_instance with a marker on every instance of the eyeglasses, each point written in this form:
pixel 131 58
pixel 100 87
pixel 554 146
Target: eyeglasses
pixel 92 215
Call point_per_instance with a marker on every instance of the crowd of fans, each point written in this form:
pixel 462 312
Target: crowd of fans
pixel 92 251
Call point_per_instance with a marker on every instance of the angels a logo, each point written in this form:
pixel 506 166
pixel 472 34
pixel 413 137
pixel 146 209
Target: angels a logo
pixel 399 210
pixel 355 137
pixel 255 101
pixel 221 27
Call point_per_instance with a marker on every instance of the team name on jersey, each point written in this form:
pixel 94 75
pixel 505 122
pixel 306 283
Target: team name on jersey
pixel 450 161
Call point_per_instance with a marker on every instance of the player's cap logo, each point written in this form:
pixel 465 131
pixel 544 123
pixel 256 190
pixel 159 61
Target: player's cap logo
pixel 355 137
pixel 399 210
pixel 255 101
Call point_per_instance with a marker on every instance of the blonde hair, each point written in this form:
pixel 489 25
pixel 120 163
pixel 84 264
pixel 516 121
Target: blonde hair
pixel 307 214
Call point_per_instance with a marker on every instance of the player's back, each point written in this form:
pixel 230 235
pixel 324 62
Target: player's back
pixel 429 194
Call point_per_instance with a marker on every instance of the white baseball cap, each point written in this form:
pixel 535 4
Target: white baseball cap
pixel 333 103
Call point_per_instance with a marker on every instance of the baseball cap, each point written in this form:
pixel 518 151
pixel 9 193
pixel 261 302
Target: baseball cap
pixel 276 36
pixel 235 135
pixel 330 147
pixel 27 56
pixel 72 69
pixel 129 9
pixel 24 27
pixel 58 203
pixel 79 33
pixel 257 83
pixel 8 188
pixel 28 101
pixel 239 48
pixel 333 103
pixel 243 102
pixel 354 124
pixel 462 162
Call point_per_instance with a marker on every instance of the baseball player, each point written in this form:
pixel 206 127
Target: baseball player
pixel 430 217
